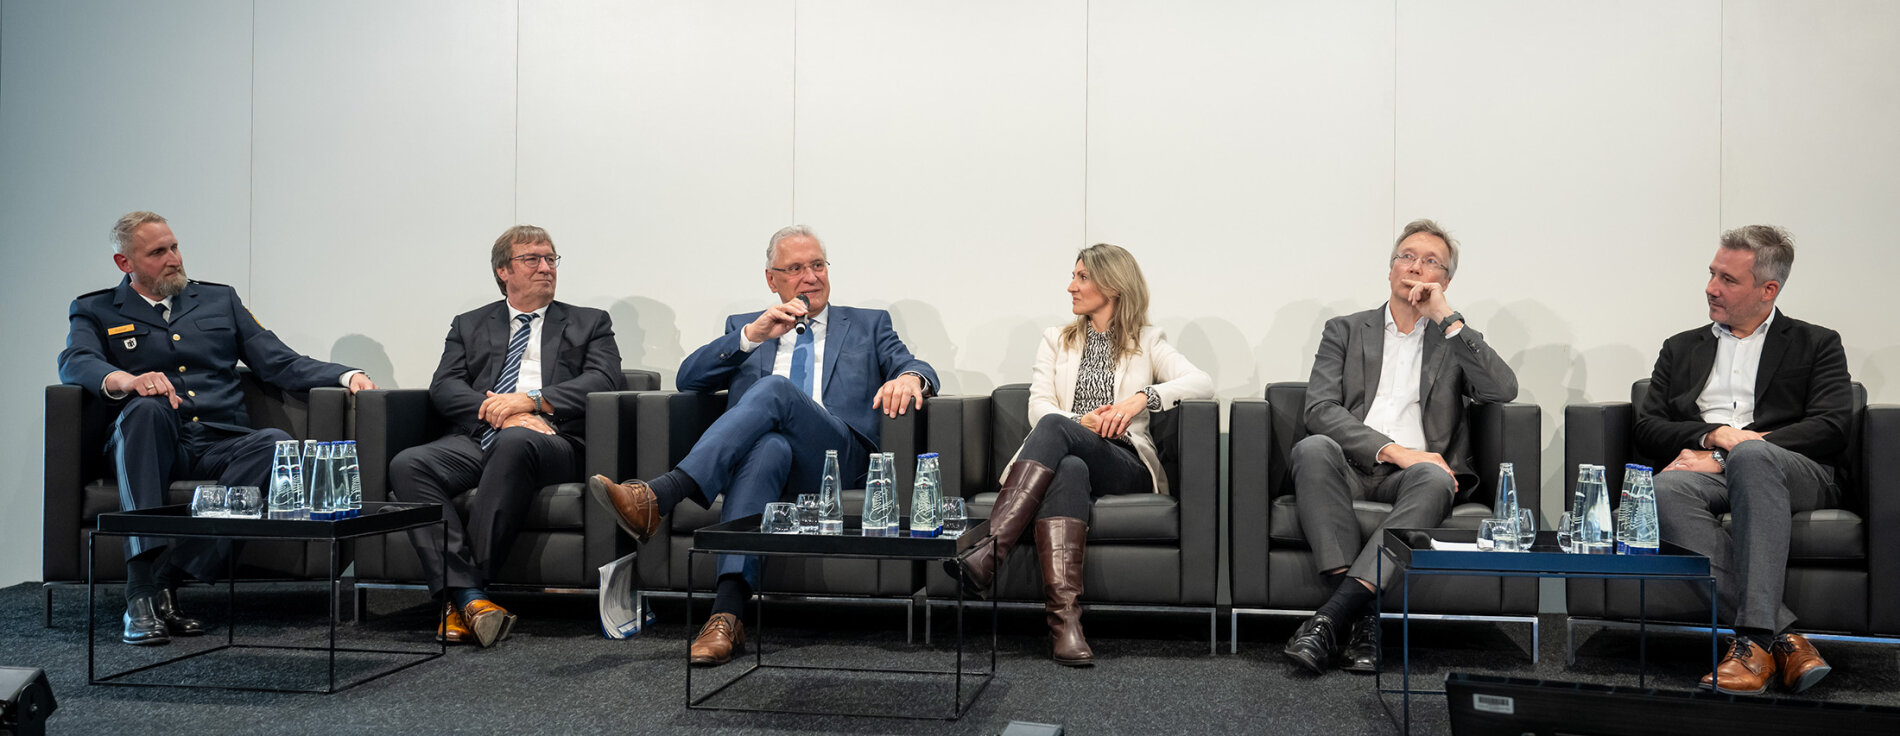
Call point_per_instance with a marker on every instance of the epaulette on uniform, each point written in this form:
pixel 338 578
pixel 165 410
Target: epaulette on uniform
pixel 106 290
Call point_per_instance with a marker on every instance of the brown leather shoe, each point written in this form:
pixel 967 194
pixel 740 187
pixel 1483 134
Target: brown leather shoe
pixel 453 629
pixel 635 508
pixel 718 640
pixel 1745 670
pixel 489 622
pixel 1801 666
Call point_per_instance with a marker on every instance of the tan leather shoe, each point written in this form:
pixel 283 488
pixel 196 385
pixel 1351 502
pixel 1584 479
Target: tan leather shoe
pixel 635 508
pixel 1800 665
pixel 489 622
pixel 453 629
pixel 718 640
pixel 1745 670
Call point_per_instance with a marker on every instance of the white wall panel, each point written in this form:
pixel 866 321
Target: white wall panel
pixel 940 156
pixel 105 108
pixel 656 147
pixel 384 146
pixel 1243 152
pixel 1572 148
pixel 1810 110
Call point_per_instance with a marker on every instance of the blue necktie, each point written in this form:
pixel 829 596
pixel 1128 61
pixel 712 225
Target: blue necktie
pixel 801 360
pixel 511 371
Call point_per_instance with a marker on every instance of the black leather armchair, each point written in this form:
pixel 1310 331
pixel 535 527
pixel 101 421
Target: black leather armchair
pixel 1146 551
pixel 80 483
pixel 658 428
pixel 1843 573
pixel 566 537
pixel 1271 565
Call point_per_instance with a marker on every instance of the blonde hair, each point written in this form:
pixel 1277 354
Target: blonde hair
pixel 128 224
pixel 1115 272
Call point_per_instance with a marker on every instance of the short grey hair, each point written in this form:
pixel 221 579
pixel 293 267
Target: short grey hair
pixel 1773 248
pixel 1423 225
pixel 128 224
pixel 790 231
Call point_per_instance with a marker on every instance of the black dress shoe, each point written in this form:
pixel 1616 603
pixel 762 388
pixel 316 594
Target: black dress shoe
pixel 1362 646
pixel 165 604
pixel 1313 644
pixel 142 624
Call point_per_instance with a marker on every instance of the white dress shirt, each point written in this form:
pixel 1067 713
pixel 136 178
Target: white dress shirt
pixel 782 362
pixel 1729 396
pixel 530 378
pixel 1395 411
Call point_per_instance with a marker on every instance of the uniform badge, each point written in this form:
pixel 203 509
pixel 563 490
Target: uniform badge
pixel 131 343
pixel 119 330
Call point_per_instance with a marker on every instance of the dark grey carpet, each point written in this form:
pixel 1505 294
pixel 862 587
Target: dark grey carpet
pixel 557 675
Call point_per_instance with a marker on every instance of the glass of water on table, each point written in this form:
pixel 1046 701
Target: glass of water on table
pixel 955 518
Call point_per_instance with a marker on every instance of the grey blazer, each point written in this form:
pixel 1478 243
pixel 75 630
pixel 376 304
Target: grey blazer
pixel 1452 370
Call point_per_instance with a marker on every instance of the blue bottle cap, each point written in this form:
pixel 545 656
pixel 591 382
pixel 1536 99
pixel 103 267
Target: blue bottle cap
pixel 930 455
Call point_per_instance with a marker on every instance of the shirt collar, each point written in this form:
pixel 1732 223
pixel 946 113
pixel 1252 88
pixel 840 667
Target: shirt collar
pixel 1392 324
pixel 539 314
pixel 1722 330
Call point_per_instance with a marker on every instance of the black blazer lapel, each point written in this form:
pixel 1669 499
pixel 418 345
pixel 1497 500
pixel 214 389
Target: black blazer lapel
pixel 551 343
pixel 1431 361
pixel 1372 359
pixel 494 349
pixel 1772 354
pixel 836 330
pixel 1701 361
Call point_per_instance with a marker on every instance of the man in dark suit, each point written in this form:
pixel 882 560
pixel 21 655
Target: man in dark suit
pixel 512 387
pixel 167 348
pixel 1754 410
pixel 803 394
pixel 1385 408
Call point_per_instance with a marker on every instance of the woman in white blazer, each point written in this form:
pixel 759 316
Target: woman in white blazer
pixel 1096 380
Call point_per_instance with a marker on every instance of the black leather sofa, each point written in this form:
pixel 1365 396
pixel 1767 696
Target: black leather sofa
pixel 1146 551
pixel 1271 566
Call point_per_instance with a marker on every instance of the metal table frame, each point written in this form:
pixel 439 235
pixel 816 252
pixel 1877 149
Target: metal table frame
pixel 741 536
pixel 176 521
pixel 1543 560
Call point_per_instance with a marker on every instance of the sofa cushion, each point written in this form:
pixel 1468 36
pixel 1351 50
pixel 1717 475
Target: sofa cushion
pixel 1127 517
pixel 102 497
pixel 1823 535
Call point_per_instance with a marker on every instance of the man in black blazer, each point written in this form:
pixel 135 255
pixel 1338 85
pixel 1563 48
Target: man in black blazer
pixel 1753 409
pixel 1385 408
pixel 165 350
pixel 512 386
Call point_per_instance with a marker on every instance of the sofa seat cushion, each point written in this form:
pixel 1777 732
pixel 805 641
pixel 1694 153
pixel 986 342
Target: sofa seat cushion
pixel 1127 517
pixel 1283 519
pixel 1823 535
pixel 102 497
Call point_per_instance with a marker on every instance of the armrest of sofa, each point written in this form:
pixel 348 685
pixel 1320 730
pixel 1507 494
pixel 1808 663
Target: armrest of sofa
pixel 1249 435
pixel 1197 490
pixel 388 421
pixel 1880 466
pixel 330 415
pixel 65 470
pixel 1598 434
pixel 639 380
pixel 1510 433
pixel 957 428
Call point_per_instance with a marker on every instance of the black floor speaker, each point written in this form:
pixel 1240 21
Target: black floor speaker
pixel 1483 705
pixel 26 699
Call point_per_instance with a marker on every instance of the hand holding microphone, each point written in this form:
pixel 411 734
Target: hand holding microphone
pixel 804 319
pixel 780 319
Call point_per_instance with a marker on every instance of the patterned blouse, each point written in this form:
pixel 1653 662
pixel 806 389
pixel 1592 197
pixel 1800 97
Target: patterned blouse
pixel 1095 378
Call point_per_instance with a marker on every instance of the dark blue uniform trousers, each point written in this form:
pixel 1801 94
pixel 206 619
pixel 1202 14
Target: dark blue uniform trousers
pixel 151 446
pixel 769 446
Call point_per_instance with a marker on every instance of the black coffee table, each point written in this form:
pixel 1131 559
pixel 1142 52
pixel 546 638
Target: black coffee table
pixel 177 521
pixel 742 536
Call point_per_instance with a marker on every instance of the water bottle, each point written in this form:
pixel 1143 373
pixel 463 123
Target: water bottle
pixel 880 498
pixel 831 497
pixel 322 484
pixel 1576 503
pixel 1623 510
pixel 352 481
pixel 1645 532
pixel 309 466
pixel 1599 530
pixel 286 489
pixel 926 499
pixel 1507 495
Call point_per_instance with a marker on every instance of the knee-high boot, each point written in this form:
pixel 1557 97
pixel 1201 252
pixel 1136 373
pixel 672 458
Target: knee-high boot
pixel 1061 545
pixel 1024 485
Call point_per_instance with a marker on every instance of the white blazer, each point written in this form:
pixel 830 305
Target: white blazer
pixel 1052 390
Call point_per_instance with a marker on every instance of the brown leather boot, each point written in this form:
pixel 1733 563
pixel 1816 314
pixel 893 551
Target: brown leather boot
pixel 1061 544
pixel 1024 485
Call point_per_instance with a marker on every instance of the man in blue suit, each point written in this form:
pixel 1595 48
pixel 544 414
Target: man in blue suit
pixel 809 390
pixel 166 349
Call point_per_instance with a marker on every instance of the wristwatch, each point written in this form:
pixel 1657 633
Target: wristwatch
pixel 1445 324
pixel 1721 458
pixel 535 396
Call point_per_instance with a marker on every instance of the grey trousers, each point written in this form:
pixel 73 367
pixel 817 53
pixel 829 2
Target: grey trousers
pixel 1763 487
pixel 1325 486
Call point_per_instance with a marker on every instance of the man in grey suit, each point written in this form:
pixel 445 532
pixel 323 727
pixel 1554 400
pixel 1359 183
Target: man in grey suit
pixel 1385 410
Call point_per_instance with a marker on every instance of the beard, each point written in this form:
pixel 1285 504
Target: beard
pixel 171 285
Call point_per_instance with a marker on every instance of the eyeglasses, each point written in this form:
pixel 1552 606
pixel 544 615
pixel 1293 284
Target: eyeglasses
pixel 798 270
pixel 1407 259
pixel 530 261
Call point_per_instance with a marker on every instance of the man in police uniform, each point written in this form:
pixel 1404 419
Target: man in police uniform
pixel 166 349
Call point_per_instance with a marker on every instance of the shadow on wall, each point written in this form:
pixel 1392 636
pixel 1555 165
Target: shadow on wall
pixel 1219 347
pixel 921 327
pixel 1873 371
pixel 1286 350
pixel 367 355
pixel 648 334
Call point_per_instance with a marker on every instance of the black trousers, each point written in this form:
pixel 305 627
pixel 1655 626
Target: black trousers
pixel 505 480
pixel 151 446
pixel 1086 466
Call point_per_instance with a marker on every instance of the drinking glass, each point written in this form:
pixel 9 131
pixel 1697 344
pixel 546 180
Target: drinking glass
pixel 243 502
pixel 1563 533
pixel 780 518
pixel 1497 534
pixel 1526 528
pixel 208 501
pixel 955 518
pixel 808 513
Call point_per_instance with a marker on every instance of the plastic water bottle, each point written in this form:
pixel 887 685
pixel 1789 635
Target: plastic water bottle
pixel 286 491
pixel 926 499
pixel 1599 529
pixel 351 483
pixel 1623 510
pixel 322 484
pixel 880 497
pixel 1576 504
pixel 1507 494
pixel 309 466
pixel 831 497
pixel 1645 531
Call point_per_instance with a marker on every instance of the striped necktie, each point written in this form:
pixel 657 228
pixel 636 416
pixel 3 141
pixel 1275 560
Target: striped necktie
pixel 511 371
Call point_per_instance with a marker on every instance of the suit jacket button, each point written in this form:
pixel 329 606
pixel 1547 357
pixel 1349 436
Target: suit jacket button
pixel 191 393
pixel 175 337
pixel 181 369
pixel 194 419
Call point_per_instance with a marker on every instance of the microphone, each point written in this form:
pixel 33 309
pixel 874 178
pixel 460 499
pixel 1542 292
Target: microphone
pixel 804 319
